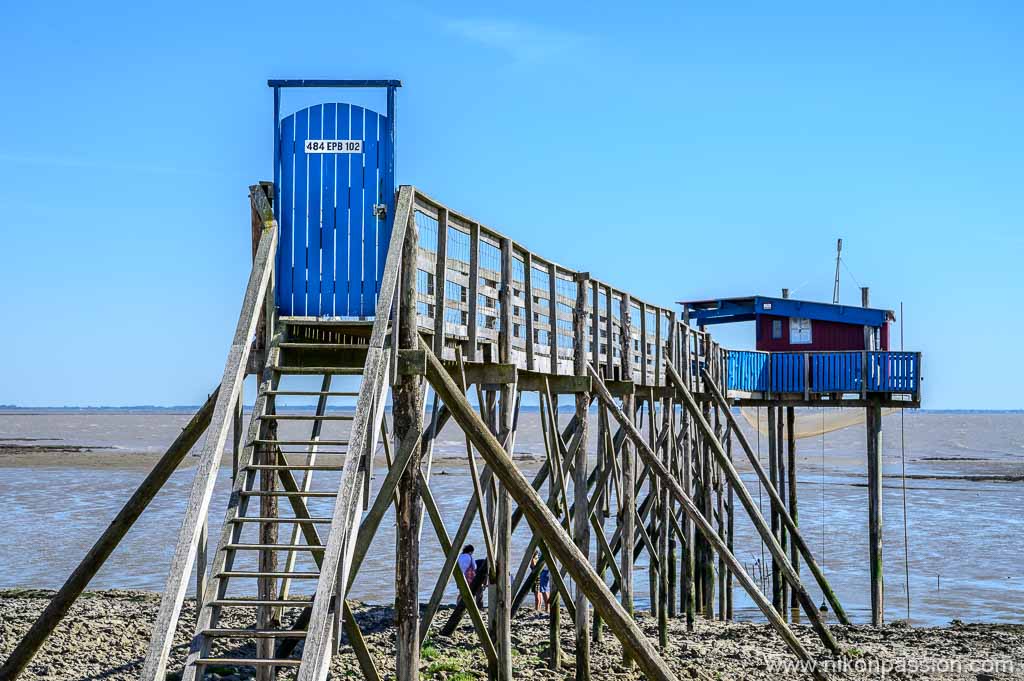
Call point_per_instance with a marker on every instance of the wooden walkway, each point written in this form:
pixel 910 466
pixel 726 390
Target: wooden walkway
pixel 464 311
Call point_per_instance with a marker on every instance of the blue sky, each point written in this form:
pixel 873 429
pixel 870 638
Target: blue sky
pixel 677 149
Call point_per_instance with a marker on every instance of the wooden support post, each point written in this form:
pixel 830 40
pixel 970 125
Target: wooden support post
pixel 555 603
pixel 794 552
pixel 603 469
pixel 874 434
pixel 773 470
pixel 408 425
pixel 663 522
pixel 720 511
pixel 687 590
pixel 627 506
pixel 674 534
pixel 708 489
pixel 65 597
pixel 502 527
pixel 581 514
pixel 267 586
pixel 654 565
pixel 731 527
pixel 780 453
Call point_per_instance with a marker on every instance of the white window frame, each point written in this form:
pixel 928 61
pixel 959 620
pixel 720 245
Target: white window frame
pixel 797 328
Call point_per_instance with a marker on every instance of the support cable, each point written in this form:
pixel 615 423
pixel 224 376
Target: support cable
pixel 903 463
pixel 760 503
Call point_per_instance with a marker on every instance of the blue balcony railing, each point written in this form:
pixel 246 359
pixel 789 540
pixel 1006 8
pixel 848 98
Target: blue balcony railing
pixel 824 372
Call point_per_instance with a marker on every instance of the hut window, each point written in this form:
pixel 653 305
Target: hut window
pixel 776 329
pixel 799 331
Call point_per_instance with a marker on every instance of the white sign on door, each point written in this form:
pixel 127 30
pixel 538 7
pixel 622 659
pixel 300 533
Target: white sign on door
pixel 334 146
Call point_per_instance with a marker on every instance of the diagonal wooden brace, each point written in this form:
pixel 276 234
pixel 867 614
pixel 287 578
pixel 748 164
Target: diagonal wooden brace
pixel 544 523
pixel 703 525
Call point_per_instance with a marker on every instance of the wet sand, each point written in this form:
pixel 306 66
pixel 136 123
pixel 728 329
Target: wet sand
pixel 106 635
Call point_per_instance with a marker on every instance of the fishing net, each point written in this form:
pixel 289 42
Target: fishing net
pixel 812 422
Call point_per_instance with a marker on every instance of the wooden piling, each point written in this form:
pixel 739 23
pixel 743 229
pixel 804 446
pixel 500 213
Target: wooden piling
pixel 794 552
pixel 268 534
pixel 407 413
pixel 773 472
pixel 627 512
pixel 780 453
pixel 874 452
pixel 581 513
pixel 663 531
pixel 502 527
pixel 555 601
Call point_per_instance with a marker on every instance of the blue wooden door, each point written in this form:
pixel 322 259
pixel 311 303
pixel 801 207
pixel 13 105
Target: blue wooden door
pixel 335 168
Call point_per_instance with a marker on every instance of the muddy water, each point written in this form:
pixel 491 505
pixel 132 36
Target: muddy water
pixel 964 498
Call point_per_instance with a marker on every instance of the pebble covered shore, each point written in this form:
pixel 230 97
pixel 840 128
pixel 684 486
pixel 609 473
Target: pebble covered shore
pixel 106 634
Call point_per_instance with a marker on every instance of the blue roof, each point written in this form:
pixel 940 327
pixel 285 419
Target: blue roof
pixel 729 310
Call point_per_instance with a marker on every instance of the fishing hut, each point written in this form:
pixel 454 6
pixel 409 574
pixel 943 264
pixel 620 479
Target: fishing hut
pixel 812 354
pixel 410 301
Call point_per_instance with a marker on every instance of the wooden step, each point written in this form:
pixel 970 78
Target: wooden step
pixel 284 520
pixel 294 467
pixel 276 493
pixel 254 633
pixel 322 443
pixel 315 345
pixel 317 371
pixel 247 662
pixel 272 547
pixel 305 417
pixel 256 602
pixel 311 393
pixel 277 575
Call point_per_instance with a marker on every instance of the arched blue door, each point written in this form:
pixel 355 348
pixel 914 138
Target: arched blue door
pixel 335 185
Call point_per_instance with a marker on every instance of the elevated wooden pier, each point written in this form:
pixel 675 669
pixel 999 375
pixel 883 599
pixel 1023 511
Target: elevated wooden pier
pixel 436 307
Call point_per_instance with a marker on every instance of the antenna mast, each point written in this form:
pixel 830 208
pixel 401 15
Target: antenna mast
pixel 835 288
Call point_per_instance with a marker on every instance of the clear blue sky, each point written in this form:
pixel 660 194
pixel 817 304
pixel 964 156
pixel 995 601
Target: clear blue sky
pixel 731 147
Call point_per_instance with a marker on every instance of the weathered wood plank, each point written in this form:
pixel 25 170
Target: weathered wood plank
pixel 198 506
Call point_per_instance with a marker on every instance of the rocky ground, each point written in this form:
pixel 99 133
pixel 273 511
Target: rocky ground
pixel 106 634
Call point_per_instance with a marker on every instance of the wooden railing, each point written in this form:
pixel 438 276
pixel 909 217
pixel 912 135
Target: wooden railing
pixel 809 373
pixel 459 284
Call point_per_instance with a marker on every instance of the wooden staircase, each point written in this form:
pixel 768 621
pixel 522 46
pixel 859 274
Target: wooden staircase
pixel 276 526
